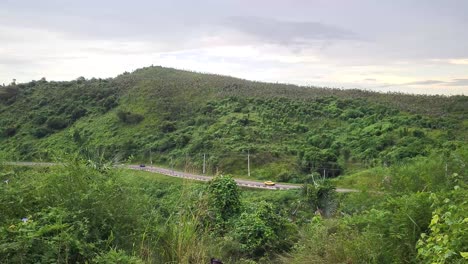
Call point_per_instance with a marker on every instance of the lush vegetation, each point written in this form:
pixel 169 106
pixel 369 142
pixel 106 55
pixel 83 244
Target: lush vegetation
pixel 174 117
pixel 83 212
pixel 406 154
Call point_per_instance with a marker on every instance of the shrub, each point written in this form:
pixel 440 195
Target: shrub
pixel 134 118
pixel 261 229
pixel 8 93
pixel 109 103
pixel 253 234
pixel 447 239
pixel 51 235
pixel 167 126
pixel 41 132
pixel 224 198
pixel 78 113
pixel 116 256
pixel 10 131
pixel 56 123
pixel 129 118
pixel 39 118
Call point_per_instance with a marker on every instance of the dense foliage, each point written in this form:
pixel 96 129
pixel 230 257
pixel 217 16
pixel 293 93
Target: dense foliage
pixel 77 213
pixel 85 211
pixel 404 156
pixel 175 118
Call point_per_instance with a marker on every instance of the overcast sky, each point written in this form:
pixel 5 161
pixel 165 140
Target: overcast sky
pixel 413 46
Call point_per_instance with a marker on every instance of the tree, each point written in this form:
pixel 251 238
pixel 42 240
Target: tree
pixel 261 229
pixel 318 160
pixel 224 198
pixel 320 196
pixel 8 92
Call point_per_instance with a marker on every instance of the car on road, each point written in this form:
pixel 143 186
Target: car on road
pixel 269 183
pixel 142 165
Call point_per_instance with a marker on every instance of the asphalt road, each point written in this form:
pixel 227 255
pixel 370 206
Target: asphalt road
pixel 179 174
pixel 243 183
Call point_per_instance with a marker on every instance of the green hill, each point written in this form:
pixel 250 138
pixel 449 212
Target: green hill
pixel 406 154
pixel 173 117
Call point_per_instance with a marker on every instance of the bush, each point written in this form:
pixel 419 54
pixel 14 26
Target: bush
pixel 41 132
pixel 262 229
pixel 39 118
pixel 396 225
pixel 8 93
pixel 56 123
pixel 109 103
pixel 78 113
pixel 51 235
pixel 116 256
pixel 253 234
pixel 224 198
pixel 72 215
pixel 167 126
pixel 129 118
pixel 447 238
pixel 10 131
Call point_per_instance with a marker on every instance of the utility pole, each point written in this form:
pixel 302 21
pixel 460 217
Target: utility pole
pixel 248 163
pixel 446 169
pixel 204 163
pixel 151 158
pixel 172 166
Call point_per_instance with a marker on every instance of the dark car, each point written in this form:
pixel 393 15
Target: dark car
pixel 142 165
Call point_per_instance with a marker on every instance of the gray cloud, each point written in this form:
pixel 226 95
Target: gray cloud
pixel 286 32
pixel 426 82
pixel 458 82
pixel 179 24
pixel 21 61
pixel 166 22
pixel 453 82
pixel 13 61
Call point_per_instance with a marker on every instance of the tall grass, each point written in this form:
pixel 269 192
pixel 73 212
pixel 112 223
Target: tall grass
pixel 183 238
pixel 98 210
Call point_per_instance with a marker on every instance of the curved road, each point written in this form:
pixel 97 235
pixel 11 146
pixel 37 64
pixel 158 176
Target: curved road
pixel 243 183
pixel 179 174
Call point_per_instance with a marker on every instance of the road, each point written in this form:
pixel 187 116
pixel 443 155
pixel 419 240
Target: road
pixel 179 174
pixel 240 182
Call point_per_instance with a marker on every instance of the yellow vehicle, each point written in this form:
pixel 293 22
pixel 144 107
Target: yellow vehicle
pixel 269 183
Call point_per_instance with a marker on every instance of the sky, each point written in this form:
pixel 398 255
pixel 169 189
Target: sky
pixel 410 46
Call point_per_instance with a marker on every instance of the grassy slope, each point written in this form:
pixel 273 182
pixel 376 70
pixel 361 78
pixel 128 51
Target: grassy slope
pixel 225 116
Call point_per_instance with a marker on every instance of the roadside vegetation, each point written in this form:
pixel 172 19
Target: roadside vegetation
pixel 78 212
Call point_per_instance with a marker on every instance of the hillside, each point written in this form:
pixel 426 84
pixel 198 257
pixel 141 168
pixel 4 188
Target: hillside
pixel 173 117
